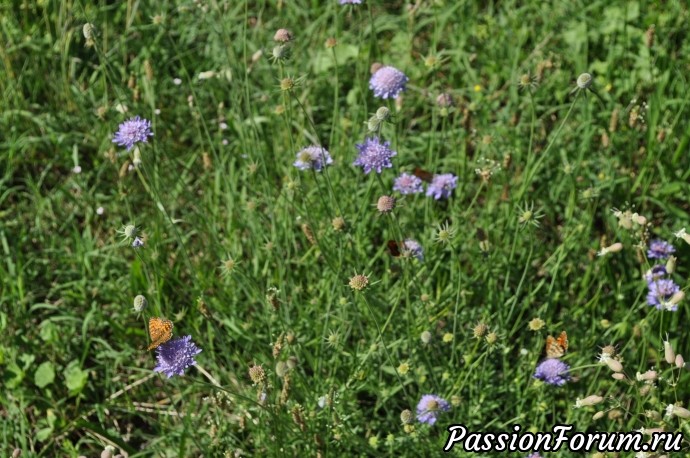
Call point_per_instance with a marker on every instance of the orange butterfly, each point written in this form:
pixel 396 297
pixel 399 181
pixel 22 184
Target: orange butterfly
pixel 556 347
pixel 160 331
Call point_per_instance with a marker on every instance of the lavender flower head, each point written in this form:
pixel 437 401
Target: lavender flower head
pixel 374 155
pixel 408 184
pixel 414 249
pixel 430 407
pixel 350 2
pixel 660 292
pixel 388 82
pixel 133 131
pixel 655 273
pixel 442 186
pixel 533 455
pixel 660 249
pixel 313 157
pixel 175 356
pixel 552 371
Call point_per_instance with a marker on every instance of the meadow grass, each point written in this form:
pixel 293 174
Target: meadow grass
pixel 562 185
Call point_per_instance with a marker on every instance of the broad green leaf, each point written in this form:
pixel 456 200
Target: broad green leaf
pixel 45 374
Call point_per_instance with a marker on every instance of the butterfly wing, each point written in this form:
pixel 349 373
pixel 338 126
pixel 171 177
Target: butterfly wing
pixel 394 248
pixel 423 174
pixel 160 331
pixel 556 347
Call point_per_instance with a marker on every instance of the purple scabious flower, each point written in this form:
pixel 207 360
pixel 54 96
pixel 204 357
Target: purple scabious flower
pixel 388 82
pixel 442 186
pixel 350 2
pixel 133 131
pixel 313 157
pixel 533 455
pixel 175 356
pixel 374 155
pixel 408 184
pixel 552 371
pixel 660 292
pixel 655 273
pixel 430 407
pixel 413 248
pixel 660 249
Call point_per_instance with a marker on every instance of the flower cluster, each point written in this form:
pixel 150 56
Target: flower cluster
pixel 374 155
pixel 440 187
pixel 175 356
pixel 662 292
pixel 313 157
pixel 553 371
pixel 430 408
pixel 133 131
pixel 388 82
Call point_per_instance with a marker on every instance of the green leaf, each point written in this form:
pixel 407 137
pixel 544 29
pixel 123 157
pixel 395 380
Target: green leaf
pixel 75 378
pixel 45 374
pixel 43 434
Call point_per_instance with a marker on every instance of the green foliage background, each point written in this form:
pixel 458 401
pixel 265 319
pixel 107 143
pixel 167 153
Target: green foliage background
pixel 217 183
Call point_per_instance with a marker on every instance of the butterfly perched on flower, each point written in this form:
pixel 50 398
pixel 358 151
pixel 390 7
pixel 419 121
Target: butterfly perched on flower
pixel 160 331
pixel 423 174
pixel 556 346
pixel 395 248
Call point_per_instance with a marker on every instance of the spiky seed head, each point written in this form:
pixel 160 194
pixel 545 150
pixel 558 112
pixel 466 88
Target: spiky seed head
pixel 338 223
pixel 359 282
pixel 130 231
pixel 257 374
pixel 491 338
pixel 331 42
pixel 535 324
pixel 480 330
pixel 385 204
pixel 287 84
pixel 280 52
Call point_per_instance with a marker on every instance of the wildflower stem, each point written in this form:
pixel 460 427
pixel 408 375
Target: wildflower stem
pixel 544 154
pixel 207 375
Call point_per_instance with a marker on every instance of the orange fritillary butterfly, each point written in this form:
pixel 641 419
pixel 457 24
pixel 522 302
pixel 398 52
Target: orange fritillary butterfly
pixel 556 347
pixel 160 331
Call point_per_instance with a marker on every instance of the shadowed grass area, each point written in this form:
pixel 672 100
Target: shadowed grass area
pixel 321 324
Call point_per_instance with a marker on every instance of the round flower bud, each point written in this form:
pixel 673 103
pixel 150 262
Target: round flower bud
pixel 140 303
pixel 406 417
pixel 426 337
pixel 584 80
pixel 445 100
pixel 385 204
pixel 283 36
pixel 338 223
pixel 383 113
pixel 680 362
pixel 597 416
pixel 281 369
pixel 669 354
